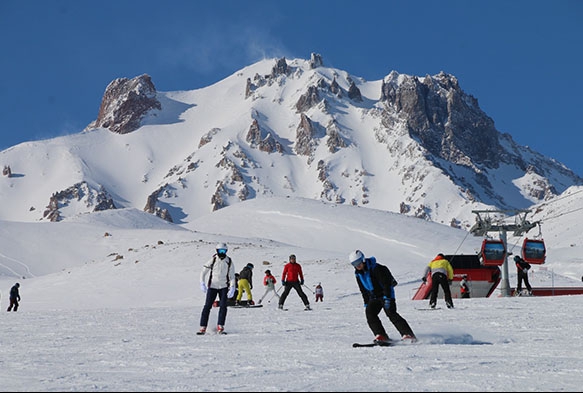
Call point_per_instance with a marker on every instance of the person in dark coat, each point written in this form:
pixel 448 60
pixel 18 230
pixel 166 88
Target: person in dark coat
pixel 14 297
pixel 377 286
pixel 522 268
pixel 245 284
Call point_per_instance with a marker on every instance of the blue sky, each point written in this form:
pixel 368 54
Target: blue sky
pixel 520 59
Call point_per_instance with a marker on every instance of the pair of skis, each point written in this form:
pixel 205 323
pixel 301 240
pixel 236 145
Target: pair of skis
pixel 389 343
pixel 373 344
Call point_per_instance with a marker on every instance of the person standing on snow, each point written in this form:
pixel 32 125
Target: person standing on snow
pixel 464 287
pixel 14 297
pixel 319 291
pixel 441 275
pixel 245 284
pixel 269 282
pixel 293 277
pixel 377 286
pixel 522 268
pixel 217 278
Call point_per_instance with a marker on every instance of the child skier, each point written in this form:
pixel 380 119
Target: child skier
pixel 269 282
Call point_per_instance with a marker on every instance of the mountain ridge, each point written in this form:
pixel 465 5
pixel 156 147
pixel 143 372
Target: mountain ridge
pixel 284 128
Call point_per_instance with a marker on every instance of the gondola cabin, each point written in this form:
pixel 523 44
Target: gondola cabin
pixel 534 251
pixel 493 252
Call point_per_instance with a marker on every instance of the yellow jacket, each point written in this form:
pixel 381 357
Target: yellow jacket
pixel 439 265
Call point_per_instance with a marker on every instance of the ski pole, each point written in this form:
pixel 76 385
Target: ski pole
pixel 274 293
pixel 313 293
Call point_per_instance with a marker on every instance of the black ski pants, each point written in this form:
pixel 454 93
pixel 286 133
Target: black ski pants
pixel 372 311
pixel 440 279
pixel 13 303
pixel 522 276
pixel 298 287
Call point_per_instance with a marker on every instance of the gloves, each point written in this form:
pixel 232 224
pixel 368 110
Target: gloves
pixel 424 279
pixel 365 305
pixel 203 287
pixel 231 292
pixel 283 283
pixel 302 282
pixel 386 303
pixel 449 281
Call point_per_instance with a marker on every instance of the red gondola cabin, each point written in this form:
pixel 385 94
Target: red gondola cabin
pixel 493 252
pixel 534 251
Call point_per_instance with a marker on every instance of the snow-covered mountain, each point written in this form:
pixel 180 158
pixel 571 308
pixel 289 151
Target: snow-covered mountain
pixel 419 146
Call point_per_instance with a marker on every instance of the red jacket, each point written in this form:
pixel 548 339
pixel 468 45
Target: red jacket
pixel 269 277
pixel 292 272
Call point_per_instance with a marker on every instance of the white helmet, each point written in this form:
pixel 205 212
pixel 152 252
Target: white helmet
pixel 222 246
pixel 356 257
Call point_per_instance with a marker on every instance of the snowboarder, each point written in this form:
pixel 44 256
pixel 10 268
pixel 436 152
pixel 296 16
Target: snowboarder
pixel 319 292
pixel 14 297
pixel 441 275
pixel 377 286
pixel 522 268
pixel 293 277
pixel 464 287
pixel 217 278
pixel 269 282
pixel 245 284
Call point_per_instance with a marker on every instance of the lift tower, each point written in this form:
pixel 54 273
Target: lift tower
pixel 484 225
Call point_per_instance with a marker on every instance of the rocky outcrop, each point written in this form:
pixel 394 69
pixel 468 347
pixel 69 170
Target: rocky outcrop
pixel 152 208
pixel 267 144
pixel 448 122
pixel 125 102
pixel 78 194
pixel 305 143
pixel 354 92
pixel 335 141
pixel 316 60
pixel 280 68
pixel 307 100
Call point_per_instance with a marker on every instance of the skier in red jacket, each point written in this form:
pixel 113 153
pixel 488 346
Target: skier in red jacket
pixel 293 277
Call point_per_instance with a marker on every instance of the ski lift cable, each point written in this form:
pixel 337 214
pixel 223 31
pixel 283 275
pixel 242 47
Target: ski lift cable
pixel 561 198
pixel 462 242
pixel 563 214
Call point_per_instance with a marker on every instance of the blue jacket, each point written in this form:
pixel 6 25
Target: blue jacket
pixel 375 281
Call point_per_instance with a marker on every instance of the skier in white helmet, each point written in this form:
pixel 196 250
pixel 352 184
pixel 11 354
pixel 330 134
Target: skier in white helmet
pixel 376 284
pixel 217 278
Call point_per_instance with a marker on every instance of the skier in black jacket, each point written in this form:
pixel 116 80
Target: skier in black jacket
pixel 14 297
pixel 376 284
pixel 522 268
pixel 245 284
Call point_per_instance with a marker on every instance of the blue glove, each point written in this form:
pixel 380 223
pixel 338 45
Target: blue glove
pixel 302 282
pixel 231 292
pixel 365 305
pixel 386 303
pixel 283 283
pixel 203 287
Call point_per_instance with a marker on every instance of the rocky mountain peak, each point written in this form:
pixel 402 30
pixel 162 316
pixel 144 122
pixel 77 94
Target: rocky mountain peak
pixel 125 102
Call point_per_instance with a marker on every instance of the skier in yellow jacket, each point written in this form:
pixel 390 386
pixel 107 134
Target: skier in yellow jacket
pixel 441 274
